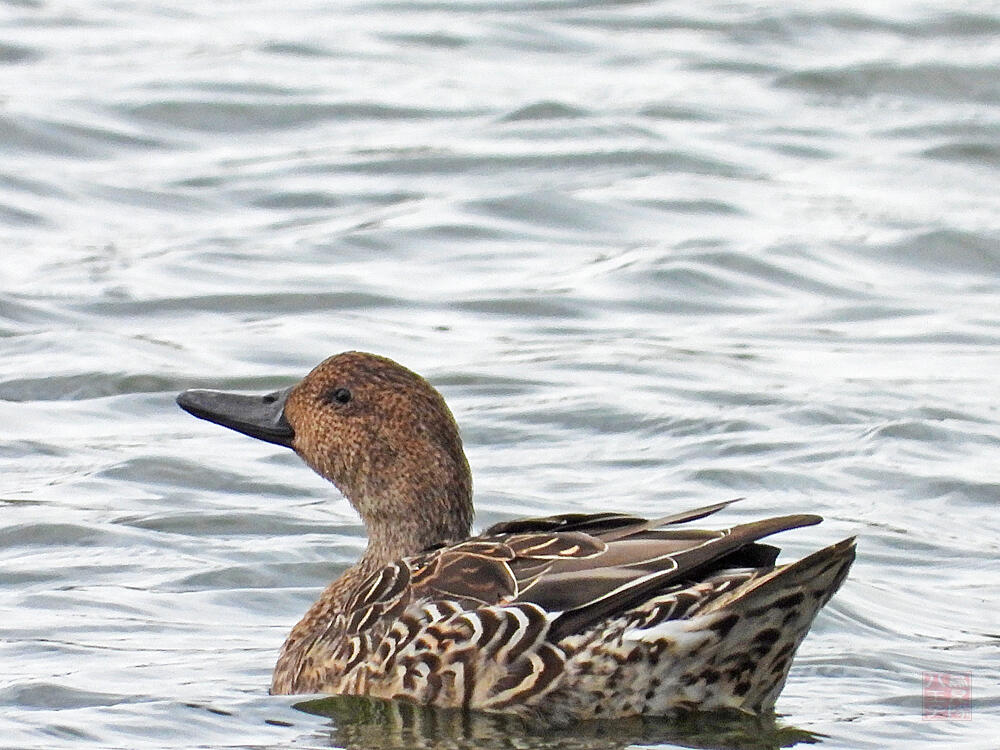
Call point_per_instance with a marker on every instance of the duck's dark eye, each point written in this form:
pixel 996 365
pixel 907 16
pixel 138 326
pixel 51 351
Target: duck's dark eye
pixel 340 395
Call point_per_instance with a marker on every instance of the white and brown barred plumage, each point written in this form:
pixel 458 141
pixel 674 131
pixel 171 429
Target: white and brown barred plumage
pixel 560 618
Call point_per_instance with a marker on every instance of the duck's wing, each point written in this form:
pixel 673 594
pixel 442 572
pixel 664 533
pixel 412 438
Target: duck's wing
pixel 637 565
pixel 581 568
pixel 604 525
pixel 511 557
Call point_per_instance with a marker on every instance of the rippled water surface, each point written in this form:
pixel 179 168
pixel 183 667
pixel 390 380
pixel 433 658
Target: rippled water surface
pixel 654 254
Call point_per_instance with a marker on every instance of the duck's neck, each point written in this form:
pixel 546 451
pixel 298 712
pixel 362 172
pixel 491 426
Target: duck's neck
pixel 389 540
pixel 432 518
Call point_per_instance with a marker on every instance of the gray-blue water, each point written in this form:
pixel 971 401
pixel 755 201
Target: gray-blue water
pixel 654 254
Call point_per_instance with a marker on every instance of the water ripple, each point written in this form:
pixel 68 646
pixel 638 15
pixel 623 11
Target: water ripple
pixel 654 254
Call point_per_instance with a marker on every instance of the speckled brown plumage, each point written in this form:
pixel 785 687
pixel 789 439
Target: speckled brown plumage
pixel 564 617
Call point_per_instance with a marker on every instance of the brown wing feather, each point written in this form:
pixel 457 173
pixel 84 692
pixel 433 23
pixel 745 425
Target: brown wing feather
pixel 564 545
pixel 471 578
pixel 606 526
pixel 672 519
pixel 589 523
pixel 683 564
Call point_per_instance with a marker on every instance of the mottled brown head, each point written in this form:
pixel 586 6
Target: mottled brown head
pixel 378 431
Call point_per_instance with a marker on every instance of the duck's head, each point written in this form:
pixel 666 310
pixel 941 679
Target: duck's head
pixel 378 431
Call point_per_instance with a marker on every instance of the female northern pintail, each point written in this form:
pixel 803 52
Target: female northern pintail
pixel 560 618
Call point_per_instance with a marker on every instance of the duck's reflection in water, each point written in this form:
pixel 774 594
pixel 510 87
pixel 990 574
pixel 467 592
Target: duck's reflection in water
pixel 362 723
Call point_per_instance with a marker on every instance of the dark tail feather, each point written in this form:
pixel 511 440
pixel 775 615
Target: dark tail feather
pixel 767 619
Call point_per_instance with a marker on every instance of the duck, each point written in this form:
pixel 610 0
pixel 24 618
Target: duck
pixel 561 618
